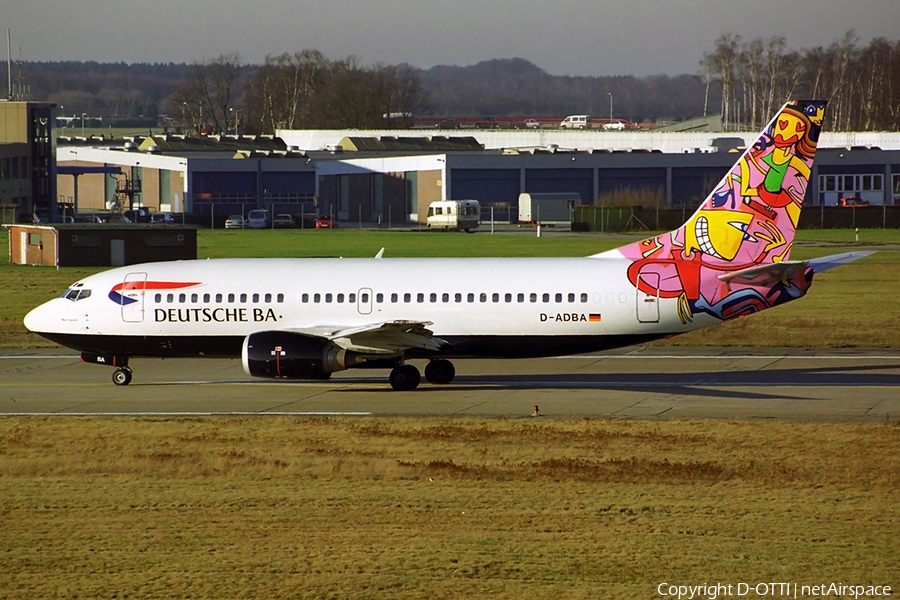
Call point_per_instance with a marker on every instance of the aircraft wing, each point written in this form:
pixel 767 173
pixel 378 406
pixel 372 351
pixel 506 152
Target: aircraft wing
pixel 385 337
pixel 770 273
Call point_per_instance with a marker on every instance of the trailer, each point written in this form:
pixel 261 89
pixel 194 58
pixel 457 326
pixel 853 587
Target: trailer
pixel 464 215
pixel 547 209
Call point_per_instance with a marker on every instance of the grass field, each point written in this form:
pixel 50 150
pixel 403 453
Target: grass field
pixel 437 508
pixel 846 307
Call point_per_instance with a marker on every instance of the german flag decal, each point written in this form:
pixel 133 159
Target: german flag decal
pixel 594 317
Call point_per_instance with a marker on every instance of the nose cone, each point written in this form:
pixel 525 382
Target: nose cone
pixel 39 319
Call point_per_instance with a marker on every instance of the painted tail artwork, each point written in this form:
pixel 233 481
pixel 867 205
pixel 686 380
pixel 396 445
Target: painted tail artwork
pixel 731 258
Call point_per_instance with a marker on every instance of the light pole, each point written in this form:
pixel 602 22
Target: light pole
pixel 82 123
pixel 183 124
pixel 610 106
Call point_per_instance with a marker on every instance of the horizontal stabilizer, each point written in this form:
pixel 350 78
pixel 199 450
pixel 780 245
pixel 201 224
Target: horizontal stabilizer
pixel 835 260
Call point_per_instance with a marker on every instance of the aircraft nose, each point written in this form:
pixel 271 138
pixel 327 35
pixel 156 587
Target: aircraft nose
pixel 38 318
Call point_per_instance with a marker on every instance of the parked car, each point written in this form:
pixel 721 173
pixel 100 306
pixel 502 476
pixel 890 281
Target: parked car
pixel 853 201
pixel 283 221
pixel 574 122
pixel 235 222
pixel 532 124
pixel 138 215
pixel 89 219
pixel 324 222
pixel 614 126
pixel 258 218
pixel 162 218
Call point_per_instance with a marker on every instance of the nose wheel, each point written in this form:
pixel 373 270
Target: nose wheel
pixel 122 376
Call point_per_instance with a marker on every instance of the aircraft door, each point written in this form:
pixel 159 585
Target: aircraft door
pixel 364 301
pixel 648 302
pixel 131 297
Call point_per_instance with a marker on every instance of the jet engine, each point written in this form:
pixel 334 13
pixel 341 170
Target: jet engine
pixel 287 355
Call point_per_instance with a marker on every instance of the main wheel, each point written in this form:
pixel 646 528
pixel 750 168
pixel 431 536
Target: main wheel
pixel 405 378
pixel 440 371
pixel 121 376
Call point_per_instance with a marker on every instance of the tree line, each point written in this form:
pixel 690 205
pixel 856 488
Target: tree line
pixel 755 77
pixel 745 81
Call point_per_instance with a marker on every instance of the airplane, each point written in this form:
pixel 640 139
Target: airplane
pixel 308 318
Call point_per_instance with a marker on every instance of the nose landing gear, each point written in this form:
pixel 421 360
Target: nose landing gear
pixel 122 376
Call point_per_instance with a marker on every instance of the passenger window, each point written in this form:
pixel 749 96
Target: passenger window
pixel 379 298
pixel 328 298
pixel 407 297
pixel 520 298
pixel 495 297
pixel 420 297
pixel 470 297
pixel 243 298
pixel 255 298
pixel 206 298
pixel 482 297
pixel 533 297
pixel 182 298
pixel 304 298
pixel 317 298
pixel 194 298
pixel 432 297
pixel 394 298
pixel 279 298
pixel 268 298
pixel 352 298
pixel 508 298
pixel 584 298
pixel 445 297
pixel 230 297
pixel 457 297
pixel 218 298
pixel 340 298
pixel 571 297
pixel 170 298
pixel 545 298
pixel 157 298
pixel 559 297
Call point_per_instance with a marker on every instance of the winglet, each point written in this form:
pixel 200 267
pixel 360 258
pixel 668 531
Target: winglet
pixel 380 254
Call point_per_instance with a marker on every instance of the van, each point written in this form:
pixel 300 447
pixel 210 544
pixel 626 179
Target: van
pixel 258 218
pixel 454 214
pixel 574 122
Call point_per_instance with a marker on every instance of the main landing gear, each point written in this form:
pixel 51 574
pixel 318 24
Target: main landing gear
pixel 406 377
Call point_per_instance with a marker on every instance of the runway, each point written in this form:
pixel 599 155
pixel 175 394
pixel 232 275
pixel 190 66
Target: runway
pixel 642 383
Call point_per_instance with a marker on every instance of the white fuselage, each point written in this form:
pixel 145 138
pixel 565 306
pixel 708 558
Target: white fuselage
pixel 522 301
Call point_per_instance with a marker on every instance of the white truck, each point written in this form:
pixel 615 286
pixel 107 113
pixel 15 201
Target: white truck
pixel 548 209
pixel 464 215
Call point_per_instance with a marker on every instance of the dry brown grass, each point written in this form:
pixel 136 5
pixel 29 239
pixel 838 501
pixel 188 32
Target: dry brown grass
pixel 446 508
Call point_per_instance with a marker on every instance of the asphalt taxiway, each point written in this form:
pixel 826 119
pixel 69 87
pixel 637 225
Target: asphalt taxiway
pixel 642 382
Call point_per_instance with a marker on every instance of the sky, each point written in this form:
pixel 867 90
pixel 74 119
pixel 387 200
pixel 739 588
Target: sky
pixel 563 37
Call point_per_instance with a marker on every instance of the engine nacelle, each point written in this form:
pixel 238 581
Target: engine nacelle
pixel 287 355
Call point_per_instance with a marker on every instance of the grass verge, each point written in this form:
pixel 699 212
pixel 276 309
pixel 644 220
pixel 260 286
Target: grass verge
pixel 445 508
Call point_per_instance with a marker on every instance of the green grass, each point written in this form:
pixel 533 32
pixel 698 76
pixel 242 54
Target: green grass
pixel 849 306
pixel 438 508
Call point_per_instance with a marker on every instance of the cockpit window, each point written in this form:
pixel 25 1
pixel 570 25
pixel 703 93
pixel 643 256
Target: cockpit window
pixel 76 293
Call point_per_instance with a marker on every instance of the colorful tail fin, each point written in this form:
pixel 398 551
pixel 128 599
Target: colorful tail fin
pixel 748 220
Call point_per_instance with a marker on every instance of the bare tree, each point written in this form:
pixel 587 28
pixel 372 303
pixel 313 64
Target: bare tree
pixel 209 92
